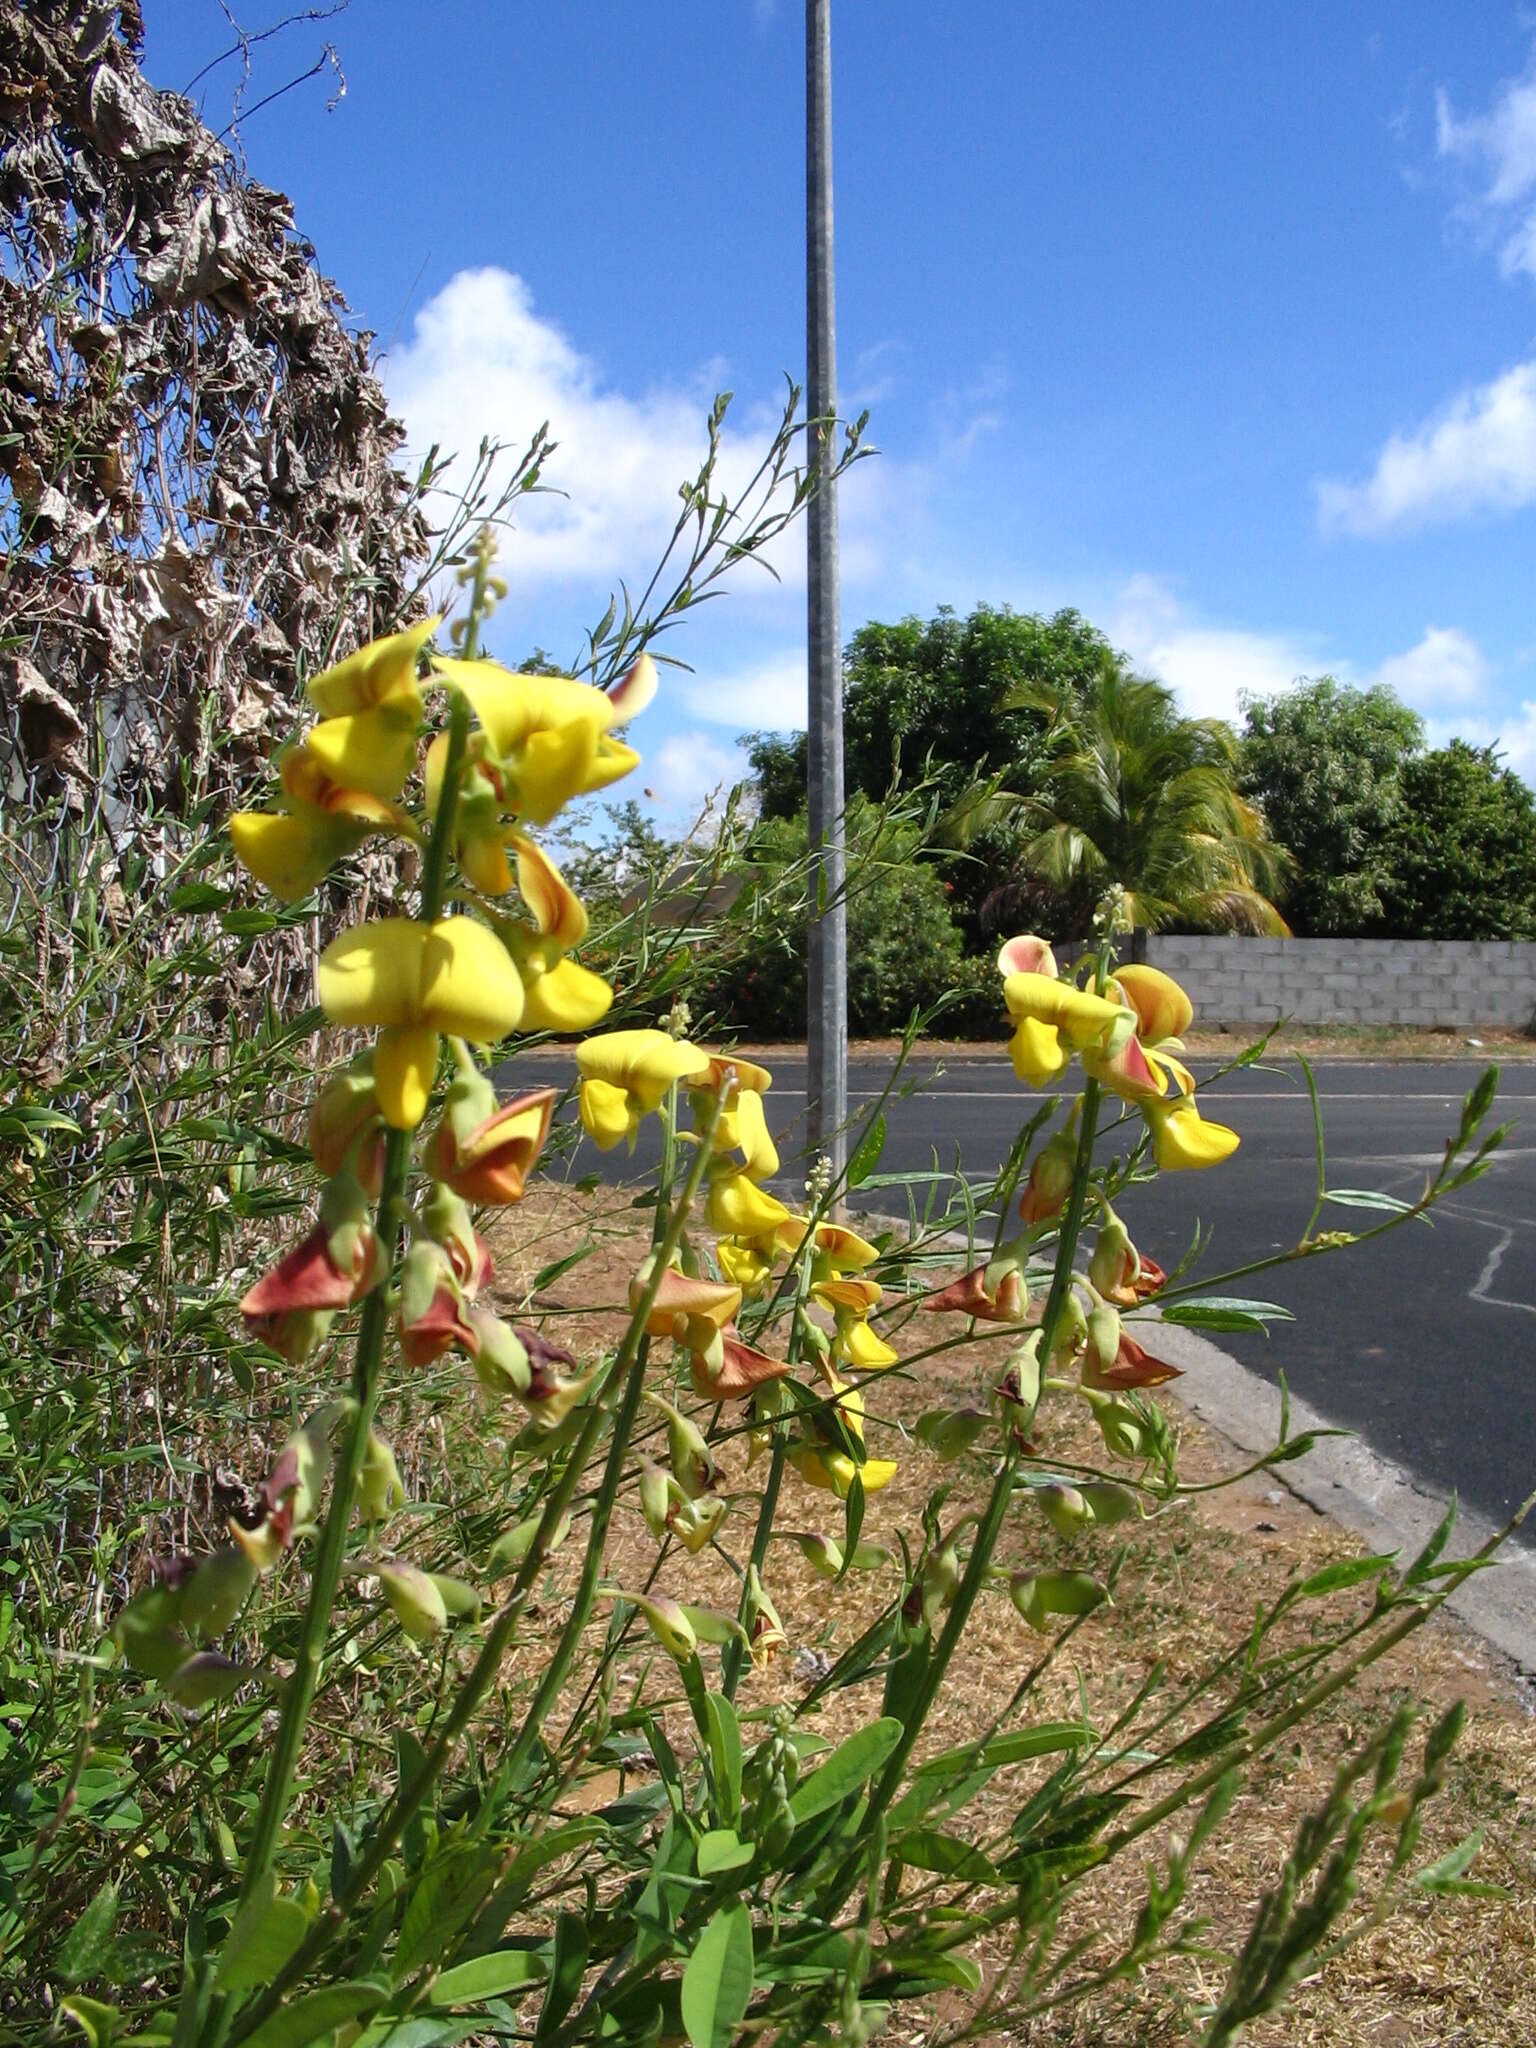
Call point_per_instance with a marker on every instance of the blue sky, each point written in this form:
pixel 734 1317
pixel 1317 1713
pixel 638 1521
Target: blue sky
pixel 1217 323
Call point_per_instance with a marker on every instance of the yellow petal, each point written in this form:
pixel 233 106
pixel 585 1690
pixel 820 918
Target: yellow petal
pixel 877 1472
pixel 759 1154
pixel 372 974
pixel 739 1208
pixel 566 997
pixel 604 1111
pixel 369 750
pixel 287 853
pixel 404 1068
pixel 1162 1008
pixel 1181 1137
pixel 511 707
pixel 859 1345
pixel 552 768
pixel 469 986
pixel 643 1062
pixel 483 858
pixel 557 910
pixel 843 1250
pixel 746 1268
pixel 1081 1018
pixel 1037 1052
pixel 383 669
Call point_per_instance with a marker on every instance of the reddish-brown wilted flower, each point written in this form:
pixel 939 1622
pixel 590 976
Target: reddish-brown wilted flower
pixel 1133 1367
pixel 733 1370
pixel 969 1295
pixel 483 1153
pixel 332 1268
pixel 433 1315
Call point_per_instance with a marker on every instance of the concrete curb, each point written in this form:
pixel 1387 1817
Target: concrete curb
pixel 1342 1477
pixel 1375 1499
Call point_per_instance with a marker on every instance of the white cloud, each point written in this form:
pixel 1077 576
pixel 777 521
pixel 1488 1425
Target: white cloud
pixel 1207 666
pixel 1446 667
pixel 765 696
pixel 688 777
pixel 1478 454
pixel 1501 144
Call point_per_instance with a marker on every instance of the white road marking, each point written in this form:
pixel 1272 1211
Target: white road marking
pixel 1480 1291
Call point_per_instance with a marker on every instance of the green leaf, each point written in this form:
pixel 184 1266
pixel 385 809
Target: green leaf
pixel 1225 1312
pixel 717 1981
pixel 317 2014
pixel 504 1969
pixel 725 1754
pixel 723 1849
pixel 929 1849
pixel 1428 1557
pixel 1015 1747
pixel 96 2021
pixel 198 896
pixel 85 1949
pixel 913 1976
pixel 565 1973
pixel 846 1769
pixel 1349 1571
pixel 247 924
pixel 266 1932
pixel 453 1886
pixel 1368 1198
pixel 868 1151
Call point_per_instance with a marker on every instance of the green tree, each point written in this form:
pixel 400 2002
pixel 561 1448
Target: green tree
pixel 1324 764
pixel 903 949
pixel 1134 793
pixel 1462 850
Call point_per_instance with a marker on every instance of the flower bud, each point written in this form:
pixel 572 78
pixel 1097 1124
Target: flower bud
pixel 693 1462
pixel 1071 1331
pixel 668 1623
pixel 1115 1264
pixel 1129 1431
pixel 1108 1502
pixel 1018 1390
pixel 205 1678
pixel 415 1599
pixel 461 1601
pixel 821 1553
pixel 346 1127
pixel 380 1489
pixel 655 1497
pixel 1039 1595
pixel 446 1220
pixel 765 1631
pixel 1103 1346
pixel 501 1359
pixel 950 1431
pixel 939 1580
pixel 1064 1507
pixel 1050 1177
pixel 513 1546
pixel 693 1522
pixel 213 1597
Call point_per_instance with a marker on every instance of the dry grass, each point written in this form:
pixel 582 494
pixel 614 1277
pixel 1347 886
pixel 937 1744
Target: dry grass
pixel 1444 1972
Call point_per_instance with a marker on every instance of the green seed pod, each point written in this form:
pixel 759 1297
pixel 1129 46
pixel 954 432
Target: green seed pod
pixel 1127 1430
pixel 217 1590
pixel 1109 1503
pixel 513 1545
pixel 939 1578
pixel 1064 1507
pixel 1071 1331
pixel 461 1601
pixel 1019 1387
pixel 1039 1595
pixel 380 1489
pixel 655 1497
pixel 949 1432
pixel 1103 1336
pixel 821 1553
pixel 501 1358
pixel 415 1600
pixel 205 1678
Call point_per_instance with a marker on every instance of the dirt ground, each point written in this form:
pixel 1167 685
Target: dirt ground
pixel 1458 1971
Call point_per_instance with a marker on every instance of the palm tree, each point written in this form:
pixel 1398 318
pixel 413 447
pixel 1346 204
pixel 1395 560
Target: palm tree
pixel 1134 794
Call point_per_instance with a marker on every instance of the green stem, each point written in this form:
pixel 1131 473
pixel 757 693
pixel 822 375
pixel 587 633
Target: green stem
pixel 629 1363
pixel 330 1557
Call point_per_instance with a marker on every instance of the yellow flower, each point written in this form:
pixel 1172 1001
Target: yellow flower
pixel 738 1207
pixel 745 1267
pixel 1162 1008
pixel 855 1343
pixel 1054 1020
pixel 1181 1137
pixel 834 1471
pixel 290 851
pixel 370 712
pixel 559 994
pixel 551 734
pixel 625 1075
pixel 413 981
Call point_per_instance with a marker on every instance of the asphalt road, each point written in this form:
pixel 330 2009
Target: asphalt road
pixel 1423 1342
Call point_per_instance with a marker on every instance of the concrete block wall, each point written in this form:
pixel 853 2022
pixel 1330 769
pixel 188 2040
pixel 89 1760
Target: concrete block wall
pixel 1431 983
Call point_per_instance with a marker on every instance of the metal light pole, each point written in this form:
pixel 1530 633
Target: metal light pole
pixel 827 958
